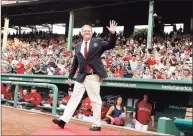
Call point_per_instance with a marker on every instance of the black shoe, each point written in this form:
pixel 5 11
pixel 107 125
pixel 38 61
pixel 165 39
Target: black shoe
pixel 60 123
pixel 95 129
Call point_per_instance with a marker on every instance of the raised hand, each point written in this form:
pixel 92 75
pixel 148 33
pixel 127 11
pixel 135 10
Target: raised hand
pixel 113 26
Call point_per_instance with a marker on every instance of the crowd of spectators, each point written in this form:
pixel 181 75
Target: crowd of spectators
pixel 46 54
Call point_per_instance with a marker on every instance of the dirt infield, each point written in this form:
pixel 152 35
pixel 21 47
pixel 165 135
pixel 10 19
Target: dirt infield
pixel 19 122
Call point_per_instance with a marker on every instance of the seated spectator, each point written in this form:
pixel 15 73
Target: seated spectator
pixel 24 97
pixel 49 102
pixel 34 97
pixel 6 92
pixel 63 103
pixel 85 109
pixel 117 112
pixel 104 111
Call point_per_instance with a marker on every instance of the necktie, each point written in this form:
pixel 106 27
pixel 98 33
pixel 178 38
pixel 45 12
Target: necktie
pixel 88 69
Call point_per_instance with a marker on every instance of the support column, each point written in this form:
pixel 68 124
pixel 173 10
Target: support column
pixel 191 25
pixel 5 33
pixel 70 30
pixel 52 28
pixel 19 30
pixel 16 96
pixel 150 24
pixel 66 29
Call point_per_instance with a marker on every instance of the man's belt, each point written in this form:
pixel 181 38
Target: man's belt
pixel 92 73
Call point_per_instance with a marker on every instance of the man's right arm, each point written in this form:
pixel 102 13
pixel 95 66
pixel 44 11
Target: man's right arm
pixel 73 67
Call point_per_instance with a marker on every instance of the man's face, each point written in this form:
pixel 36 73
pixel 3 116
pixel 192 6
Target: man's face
pixel 86 33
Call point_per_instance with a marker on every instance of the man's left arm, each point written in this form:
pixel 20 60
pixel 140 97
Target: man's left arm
pixel 111 43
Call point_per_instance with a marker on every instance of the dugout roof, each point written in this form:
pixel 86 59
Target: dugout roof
pixel 57 11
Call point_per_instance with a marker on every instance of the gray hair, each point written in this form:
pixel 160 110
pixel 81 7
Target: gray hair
pixel 86 26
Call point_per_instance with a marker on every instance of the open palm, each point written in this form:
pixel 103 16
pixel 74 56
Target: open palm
pixel 113 26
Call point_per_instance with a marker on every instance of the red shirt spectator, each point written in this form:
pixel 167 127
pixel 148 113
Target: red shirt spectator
pixel 150 62
pixel 109 61
pixel 86 107
pixel 50 100
pixel 104 111
pixel 119 72
pixel 34 97
pixel 20 68
pixel 6 91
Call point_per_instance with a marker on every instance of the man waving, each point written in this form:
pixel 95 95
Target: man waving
pixel 90 75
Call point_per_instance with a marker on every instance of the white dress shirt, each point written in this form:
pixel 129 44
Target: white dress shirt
pixel 83 46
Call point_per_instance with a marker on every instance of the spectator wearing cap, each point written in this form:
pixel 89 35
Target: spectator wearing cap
pixel 85 109
pixel 34 97
pixel 143 112
pixel 49 102
pixel 64 102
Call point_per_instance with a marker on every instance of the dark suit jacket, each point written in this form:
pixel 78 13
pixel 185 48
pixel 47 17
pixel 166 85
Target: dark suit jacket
pixel 96 48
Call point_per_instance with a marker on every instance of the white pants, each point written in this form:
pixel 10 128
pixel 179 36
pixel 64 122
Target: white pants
pixel 92 85
pixel 139 126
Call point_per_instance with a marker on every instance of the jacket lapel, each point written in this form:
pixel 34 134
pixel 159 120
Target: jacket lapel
pixel 90 48
pixel 79 49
